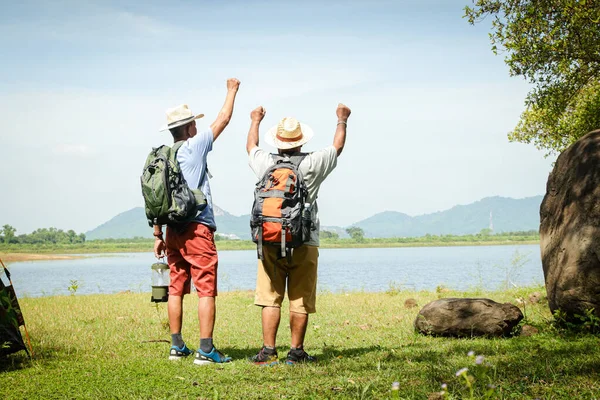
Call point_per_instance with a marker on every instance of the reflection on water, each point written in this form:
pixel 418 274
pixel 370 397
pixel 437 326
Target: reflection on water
pixel 418 268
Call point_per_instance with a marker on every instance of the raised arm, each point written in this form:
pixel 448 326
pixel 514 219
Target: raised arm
pixel 256 116
pixel 343 112
pixel 225 114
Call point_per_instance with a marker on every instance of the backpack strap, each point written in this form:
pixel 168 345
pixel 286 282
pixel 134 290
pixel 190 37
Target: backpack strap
pixel 206 172
pixel 296 159
pixel 259 247
pixel 177 145
pixel 283 226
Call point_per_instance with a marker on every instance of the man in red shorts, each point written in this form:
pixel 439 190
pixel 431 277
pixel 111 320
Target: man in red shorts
pixel 191 251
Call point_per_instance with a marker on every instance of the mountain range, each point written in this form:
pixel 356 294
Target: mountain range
pixel 502 214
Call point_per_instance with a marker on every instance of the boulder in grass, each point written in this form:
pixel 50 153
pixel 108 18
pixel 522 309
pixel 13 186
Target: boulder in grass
pixel 467 318
pixel 570 230
pixel 529 330
pixel 535 297
pixel 410 303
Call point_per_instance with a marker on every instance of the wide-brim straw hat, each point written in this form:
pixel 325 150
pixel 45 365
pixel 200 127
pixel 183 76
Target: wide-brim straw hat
pixel 178 116
pixel 288 133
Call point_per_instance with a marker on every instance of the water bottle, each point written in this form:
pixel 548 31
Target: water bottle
pixel 306 222
pixel 396 390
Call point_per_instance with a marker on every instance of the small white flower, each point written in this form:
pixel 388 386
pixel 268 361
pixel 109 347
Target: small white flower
pixel 479 360
pixel 444 386
pixel 471 353
pixel 461 371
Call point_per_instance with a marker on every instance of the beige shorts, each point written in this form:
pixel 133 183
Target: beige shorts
pixel 300 276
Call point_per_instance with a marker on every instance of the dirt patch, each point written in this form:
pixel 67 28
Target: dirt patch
pixel 12 257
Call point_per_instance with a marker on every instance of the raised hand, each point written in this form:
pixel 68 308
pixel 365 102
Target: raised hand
pixel 233 84
pixel 258 114
pixel 343 112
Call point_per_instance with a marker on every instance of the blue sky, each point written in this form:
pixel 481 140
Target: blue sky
pixel 88 82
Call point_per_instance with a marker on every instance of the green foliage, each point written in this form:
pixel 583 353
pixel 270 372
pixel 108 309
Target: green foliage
pixel 485 232
pixel 475 378
pixel 42 236
pixel 356 233
pixel 329 235
pixel 74 285
pixel 555 45
pixel 587 323
pixel 8 234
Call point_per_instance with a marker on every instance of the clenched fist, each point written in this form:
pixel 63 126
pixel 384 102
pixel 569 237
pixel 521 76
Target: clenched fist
pixel 233 84
pixel 258 114
pixel 343 112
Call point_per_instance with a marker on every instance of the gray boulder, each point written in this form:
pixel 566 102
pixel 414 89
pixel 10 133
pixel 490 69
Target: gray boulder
pixel 467 318
pixel 570 229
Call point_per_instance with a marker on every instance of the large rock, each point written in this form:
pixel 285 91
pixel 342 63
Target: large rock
pixel 467 317
pixel 570 229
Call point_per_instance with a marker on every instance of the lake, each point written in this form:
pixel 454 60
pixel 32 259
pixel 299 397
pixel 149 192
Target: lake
pixel 340 270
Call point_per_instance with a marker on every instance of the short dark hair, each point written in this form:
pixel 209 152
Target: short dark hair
pixel 179 131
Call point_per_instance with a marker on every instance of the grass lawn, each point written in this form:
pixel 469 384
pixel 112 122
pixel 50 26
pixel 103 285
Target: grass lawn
pixel 100 346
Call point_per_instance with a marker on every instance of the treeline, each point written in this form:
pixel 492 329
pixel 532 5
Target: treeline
pixel 358 235
pixel 52 240
pixel 8 235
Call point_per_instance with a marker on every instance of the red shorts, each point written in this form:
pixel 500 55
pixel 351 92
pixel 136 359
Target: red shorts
pixel 192 256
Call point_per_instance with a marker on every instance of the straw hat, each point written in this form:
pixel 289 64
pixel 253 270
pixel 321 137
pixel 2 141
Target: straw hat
pixel 288 133
pixel 178 116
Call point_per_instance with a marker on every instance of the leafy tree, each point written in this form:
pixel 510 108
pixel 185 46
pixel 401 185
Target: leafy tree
pixel 554 45
pixel 41 236
pixel 329 235
pixel 72 236
pixel 485 232
pixel 8 234
pixel 356 233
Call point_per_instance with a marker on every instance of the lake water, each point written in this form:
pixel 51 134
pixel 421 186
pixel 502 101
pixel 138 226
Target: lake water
pixel 418 268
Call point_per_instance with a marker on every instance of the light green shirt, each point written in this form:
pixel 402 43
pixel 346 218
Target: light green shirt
pixel 315 167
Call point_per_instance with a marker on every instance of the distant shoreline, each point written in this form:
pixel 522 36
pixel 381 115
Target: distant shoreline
pixel 17 253
pixel 18 257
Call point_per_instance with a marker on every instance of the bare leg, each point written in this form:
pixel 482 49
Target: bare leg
pixel 206 316
pixel 270 324
pixel 298 324
pixel 175 312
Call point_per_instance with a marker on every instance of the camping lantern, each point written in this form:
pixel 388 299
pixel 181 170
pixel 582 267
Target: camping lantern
pixel 160 282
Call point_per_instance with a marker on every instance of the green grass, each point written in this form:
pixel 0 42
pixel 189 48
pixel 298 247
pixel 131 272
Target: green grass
pixel 142 245
pixel 96 346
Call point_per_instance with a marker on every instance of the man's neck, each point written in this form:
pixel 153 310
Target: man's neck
pixel 289 152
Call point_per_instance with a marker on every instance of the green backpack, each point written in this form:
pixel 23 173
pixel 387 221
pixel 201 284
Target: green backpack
pixel 167 197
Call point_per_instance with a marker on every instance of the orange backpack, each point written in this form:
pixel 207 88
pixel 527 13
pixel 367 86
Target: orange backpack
pixel 281 214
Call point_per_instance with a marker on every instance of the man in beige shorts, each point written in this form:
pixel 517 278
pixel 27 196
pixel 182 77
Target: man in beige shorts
pixel 299 271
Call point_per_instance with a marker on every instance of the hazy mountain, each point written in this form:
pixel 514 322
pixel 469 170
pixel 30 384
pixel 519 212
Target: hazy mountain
pixel 504 214
pixel 133 223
